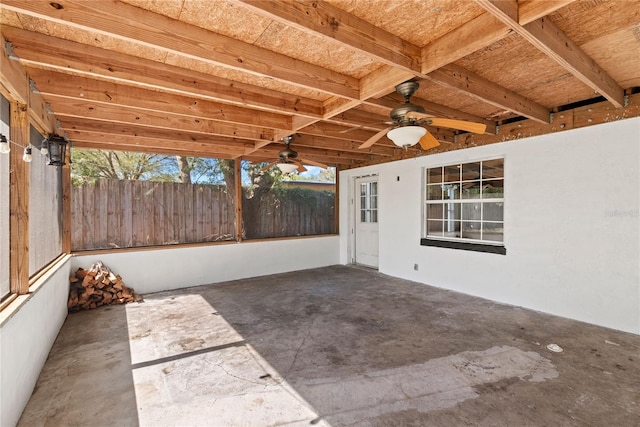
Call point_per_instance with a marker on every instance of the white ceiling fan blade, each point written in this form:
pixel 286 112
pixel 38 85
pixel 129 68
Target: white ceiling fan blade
pixel 448 123
pixel 369 142
pixel 428 141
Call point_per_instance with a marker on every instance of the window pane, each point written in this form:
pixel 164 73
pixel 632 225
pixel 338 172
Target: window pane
pixel 434 175
pixel 363 215
pixel 435 211
pixel 451 228
pixel 470 230
pixel 471 212
pixel 493 211
pixel 374 188
pixel 374 202
pixel 434 227
pixel 452 173
pixel 434 192
pixel 471 171
pixel 493 189
pixel 493 231
pixel 374 216
pixel 493 169
pixel 450 191
pixel 363 189
pixel 452 211
pixel 471 190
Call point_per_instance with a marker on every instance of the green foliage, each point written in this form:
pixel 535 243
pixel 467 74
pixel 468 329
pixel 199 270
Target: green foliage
pixel 88 165
pixel 315 174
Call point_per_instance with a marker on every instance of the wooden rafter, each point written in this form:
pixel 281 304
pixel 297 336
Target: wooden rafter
pixel 122 21
pixel 93 62
pixel 457 77
pixel 329 21
pixel 550 40
pixel 55 84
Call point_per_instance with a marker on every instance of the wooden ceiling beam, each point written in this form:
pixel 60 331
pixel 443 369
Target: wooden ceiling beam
pixel 80 88
pixel 133 24
pixel 93 134
pixel 530 10
pixel 480 88
pixel 172 137
pixel 382 81
pixel 117 114
pixel 476 34
pixel 34 50
pixel 100 141
pixel 550 40
pixel 480 32
pixel 331 22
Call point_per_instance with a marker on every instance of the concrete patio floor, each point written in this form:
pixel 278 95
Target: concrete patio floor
pixel 333 346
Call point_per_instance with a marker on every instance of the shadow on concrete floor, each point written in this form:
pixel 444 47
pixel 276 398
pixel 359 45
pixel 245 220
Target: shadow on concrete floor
pixel 339 346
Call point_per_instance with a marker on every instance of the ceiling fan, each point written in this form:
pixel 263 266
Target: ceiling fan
pixel 408 121
pixel 288 160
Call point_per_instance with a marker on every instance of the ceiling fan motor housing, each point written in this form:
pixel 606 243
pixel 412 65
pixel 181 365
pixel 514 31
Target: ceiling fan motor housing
pixel 398 113
pixel 406 89
pixel 288 153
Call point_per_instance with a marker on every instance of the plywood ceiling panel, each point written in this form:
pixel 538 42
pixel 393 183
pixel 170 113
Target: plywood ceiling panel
pixel 417 21
pixel 586 20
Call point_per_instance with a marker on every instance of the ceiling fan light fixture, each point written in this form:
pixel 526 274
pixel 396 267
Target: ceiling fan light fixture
pixel 406 136
pixel 287 167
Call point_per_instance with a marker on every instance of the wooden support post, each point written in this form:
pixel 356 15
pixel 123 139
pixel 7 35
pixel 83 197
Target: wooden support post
pixel 237 176
pixel 19 201
pixel 66 203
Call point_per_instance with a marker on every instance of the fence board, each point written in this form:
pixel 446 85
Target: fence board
pixel 126 203
pixel 137 212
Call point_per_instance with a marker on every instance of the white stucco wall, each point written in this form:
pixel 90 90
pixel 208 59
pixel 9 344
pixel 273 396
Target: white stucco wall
pixel 26 337
pixel 173 268
pixel 572 226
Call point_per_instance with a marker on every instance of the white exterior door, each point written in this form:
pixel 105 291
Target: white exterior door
pixel 366 221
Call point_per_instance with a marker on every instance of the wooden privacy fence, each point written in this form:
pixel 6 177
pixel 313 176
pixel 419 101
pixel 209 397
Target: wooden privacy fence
pixel 122 214
pixel 289 212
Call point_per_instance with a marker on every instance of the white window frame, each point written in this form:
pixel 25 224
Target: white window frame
pixel 456 238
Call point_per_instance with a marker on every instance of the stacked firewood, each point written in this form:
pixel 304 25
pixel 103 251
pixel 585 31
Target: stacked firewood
pixel 98 286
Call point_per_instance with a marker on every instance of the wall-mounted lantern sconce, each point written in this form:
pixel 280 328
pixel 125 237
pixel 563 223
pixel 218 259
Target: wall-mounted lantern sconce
pixel 56 147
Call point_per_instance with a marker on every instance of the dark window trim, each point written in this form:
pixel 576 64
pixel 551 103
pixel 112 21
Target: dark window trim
pixel 466 246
